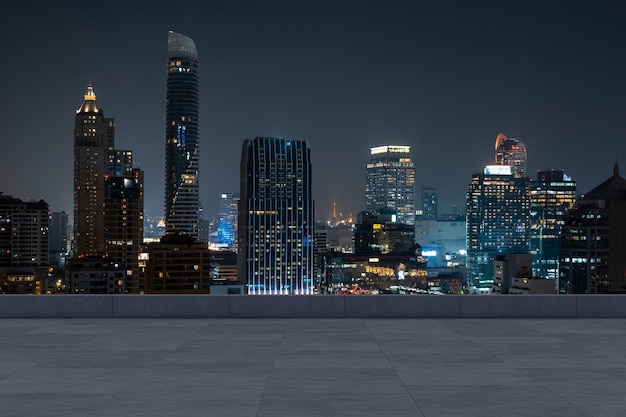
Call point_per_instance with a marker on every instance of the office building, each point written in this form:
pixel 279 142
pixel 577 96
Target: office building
pixel 58 238
pixel 182 137
pixel 93 150
pixel 429 202
pixel 123 224
pixel 227 221
pixel 591 258
pixel 390 181
pixel 23 232
pixel 511 152
pixel 276 217
pixel 551 196
pixel 379 234
pixel 498 206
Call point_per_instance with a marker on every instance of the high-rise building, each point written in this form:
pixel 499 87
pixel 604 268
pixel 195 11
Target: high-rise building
pixel 551 196
pixel 591 258
pixel 276 223
pixel 123 224
pixel 182 137
pixel 429 202
pixel 93 150
pixel 511 152
pixel 497 222
pixel 227 220
pixel 390 181
pixel 23 232
pixel 58 237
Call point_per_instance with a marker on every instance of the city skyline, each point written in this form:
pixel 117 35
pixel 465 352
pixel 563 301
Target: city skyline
pixel 444 79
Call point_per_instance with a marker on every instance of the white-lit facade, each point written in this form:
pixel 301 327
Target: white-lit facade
pixel 390 181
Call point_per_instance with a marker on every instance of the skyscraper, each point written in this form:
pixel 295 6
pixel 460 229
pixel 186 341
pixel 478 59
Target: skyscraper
pixel 276 217
pixel 497 222
pixel 58 237
pixel 511 152
pixel 93 150
pixel 551 196
pixel 181 136
pixel 227 220
pixel 390 181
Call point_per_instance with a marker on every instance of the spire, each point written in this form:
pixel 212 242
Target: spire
pixel 90 94
pixel 616 170
pixel 89 105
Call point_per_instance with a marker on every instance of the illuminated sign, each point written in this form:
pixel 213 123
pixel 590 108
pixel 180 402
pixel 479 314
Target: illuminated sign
pixel 429 253
pixel 390 148
pixel 498 170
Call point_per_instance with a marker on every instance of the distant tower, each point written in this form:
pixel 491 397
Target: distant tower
pixel 58 238
pixel 390 181
pixel 497 222
pixel 511 152
pixel 227 220
pixel 181 137
pixel 429 202
pixel 93 150
pixel 276 223
pixel 24 232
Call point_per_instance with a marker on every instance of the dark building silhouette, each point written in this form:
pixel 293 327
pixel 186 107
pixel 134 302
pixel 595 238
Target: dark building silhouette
pixel 377 234
pixel 592 256
pixel 182 137
pixel 95 274
pixel 429 202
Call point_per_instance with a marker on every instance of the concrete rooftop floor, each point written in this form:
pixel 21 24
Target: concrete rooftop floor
pixel 312 367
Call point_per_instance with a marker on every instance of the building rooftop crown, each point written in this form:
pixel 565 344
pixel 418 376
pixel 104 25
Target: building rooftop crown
pixel 89 105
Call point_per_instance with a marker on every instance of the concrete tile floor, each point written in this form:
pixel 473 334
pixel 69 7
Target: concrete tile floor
pixel 312 367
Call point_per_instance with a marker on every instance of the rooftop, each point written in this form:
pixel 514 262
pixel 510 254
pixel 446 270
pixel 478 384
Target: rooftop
pixel 312 367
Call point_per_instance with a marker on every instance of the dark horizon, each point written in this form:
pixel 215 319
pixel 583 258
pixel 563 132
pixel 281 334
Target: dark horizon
pixel 444 78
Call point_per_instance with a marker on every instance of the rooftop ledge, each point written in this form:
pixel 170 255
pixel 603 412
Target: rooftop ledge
pixel 317 306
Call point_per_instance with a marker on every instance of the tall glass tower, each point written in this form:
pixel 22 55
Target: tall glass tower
pixel 276 217
pixel 512 152
pixel 498 204
pixel 181 136
pixel 390 181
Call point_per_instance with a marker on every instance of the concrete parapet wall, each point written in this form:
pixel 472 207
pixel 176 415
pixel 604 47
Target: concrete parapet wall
pixel 321 306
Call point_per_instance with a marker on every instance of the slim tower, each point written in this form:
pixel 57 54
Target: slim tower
pixel 93 150
pixel 276 217
pixel 390 181
pixel 181 136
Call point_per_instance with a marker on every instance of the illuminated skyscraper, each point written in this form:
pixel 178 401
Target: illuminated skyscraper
pixel 227 220
pixel 390 181
pixel 511 152
pixel 497 222
pixel 93 151
pixel 551 196
pixel 276 217
pixel 181 137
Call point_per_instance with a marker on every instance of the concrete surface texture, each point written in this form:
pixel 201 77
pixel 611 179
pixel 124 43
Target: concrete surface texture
pixel 312 367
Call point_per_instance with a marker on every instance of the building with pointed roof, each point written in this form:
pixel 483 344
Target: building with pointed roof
pixel 592 255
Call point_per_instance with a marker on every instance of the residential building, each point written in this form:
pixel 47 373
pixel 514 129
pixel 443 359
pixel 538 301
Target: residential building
pixel 429 202
pixel 95 275
pixel 182 137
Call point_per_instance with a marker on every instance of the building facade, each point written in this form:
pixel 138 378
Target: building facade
pixel 591 258
pixel 551 196
pixel 511 152
pixel 390 181
pixel 58 238
pixel 276 222
pixel 23 232
pixel 498 223
pixel 429 202
pixel 93 150
pixel 182 137
pixel 95 275
pixel 227 221
pixel 123 224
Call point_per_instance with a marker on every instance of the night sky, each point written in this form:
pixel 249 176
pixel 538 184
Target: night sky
pixel 444 77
